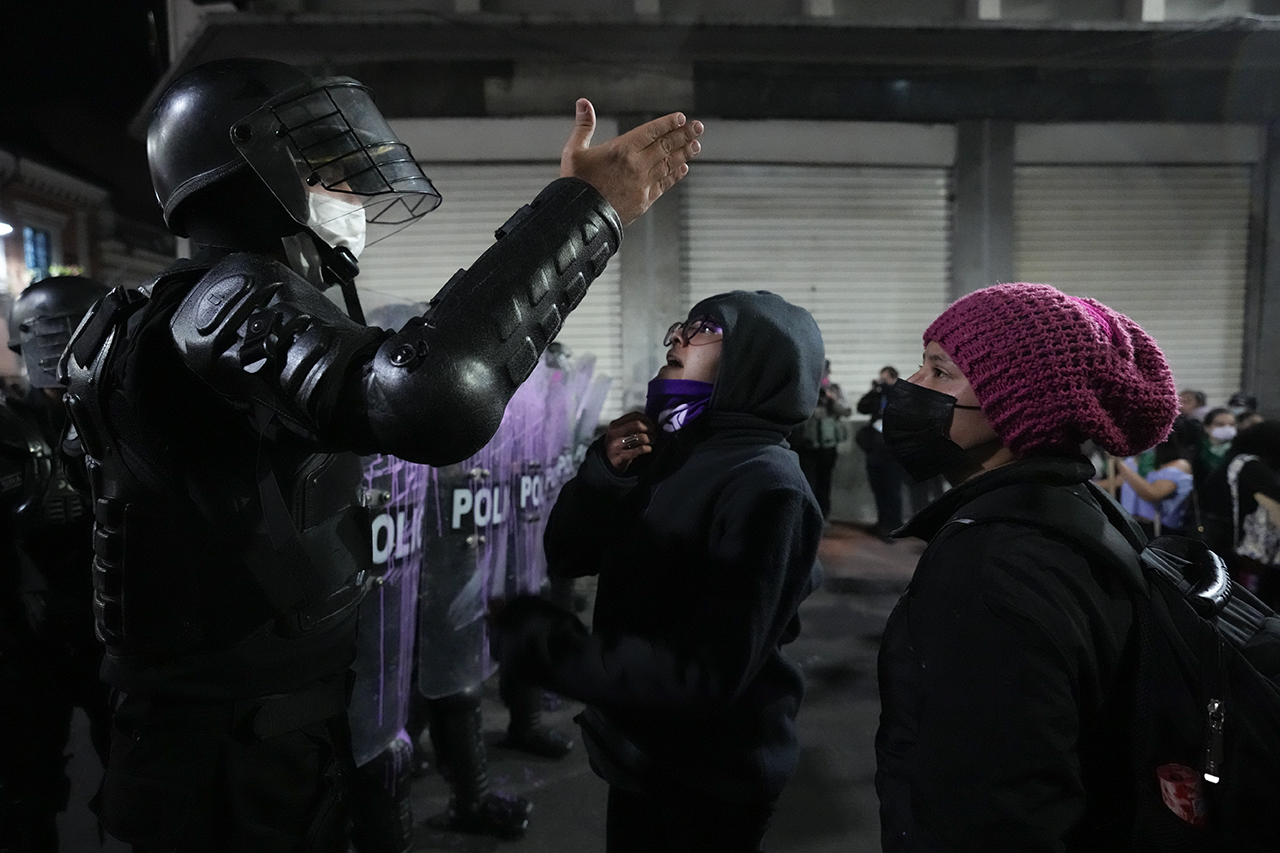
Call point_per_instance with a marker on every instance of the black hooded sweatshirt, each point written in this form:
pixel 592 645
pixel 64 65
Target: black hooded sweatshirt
pixel 704 551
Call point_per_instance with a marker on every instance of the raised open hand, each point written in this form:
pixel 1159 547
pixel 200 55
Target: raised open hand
pixel 632 170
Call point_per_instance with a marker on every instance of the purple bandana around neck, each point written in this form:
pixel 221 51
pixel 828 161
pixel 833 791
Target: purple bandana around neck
pixel 675 402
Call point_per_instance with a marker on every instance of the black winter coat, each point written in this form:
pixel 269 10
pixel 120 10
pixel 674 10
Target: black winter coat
pixel 703 559
pixel 1002 727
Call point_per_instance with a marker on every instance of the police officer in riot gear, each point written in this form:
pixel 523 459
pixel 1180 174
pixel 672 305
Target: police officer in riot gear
pixel 49 656
pixel 231 552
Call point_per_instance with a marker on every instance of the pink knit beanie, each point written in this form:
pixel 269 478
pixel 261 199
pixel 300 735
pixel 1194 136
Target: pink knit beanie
pixel 1052 371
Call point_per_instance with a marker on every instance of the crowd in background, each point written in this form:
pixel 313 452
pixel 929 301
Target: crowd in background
pixel 897 497
pixel 1216 477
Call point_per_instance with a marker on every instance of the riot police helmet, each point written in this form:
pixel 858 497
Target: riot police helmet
pixel 42 320
pixel 557 356
pixel 245 152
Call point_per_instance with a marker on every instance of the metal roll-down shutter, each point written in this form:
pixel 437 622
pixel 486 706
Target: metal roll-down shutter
pixel 865 249
pixel 1165 245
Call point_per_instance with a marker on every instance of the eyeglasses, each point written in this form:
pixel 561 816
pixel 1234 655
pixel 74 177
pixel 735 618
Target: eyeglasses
pixel 694 333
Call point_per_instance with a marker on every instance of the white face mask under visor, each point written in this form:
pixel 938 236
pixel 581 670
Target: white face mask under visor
pixel 337 221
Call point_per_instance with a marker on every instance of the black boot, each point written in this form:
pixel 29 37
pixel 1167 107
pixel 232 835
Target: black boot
pixel 456 735
pixel 526 731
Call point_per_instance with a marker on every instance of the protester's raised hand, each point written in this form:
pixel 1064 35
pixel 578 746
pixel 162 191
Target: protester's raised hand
pixel 632 170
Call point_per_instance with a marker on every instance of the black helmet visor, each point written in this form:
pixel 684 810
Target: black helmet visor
pixel 329 134
pixel 42 341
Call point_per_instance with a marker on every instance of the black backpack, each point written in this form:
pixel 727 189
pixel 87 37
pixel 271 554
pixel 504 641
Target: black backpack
pixel 1207 691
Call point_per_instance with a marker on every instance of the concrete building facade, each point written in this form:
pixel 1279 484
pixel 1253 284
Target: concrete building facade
pixel 871 161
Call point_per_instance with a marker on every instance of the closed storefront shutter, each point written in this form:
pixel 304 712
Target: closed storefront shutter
pixel 415 263
pixel 1164 244
pixel 865 249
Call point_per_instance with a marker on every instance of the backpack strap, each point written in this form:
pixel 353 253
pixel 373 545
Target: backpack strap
pixel 1095 522
pixel 1083 514
pixel 1186 623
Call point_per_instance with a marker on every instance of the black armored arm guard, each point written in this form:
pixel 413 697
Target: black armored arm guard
pixel 433 392
pixel 438 388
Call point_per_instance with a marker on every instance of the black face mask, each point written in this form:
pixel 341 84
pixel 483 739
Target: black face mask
pixel 917 421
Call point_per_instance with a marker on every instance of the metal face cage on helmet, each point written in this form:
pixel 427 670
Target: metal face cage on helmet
pixel 334 163
pixel 43 318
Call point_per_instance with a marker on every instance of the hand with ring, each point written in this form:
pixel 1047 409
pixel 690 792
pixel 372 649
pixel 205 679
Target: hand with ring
pixel 627 439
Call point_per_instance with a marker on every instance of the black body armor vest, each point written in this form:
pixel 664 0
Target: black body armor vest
pixel 229 555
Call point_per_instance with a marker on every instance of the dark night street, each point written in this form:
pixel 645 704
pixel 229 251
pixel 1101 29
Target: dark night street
pixel 830 805
pixel 1030 248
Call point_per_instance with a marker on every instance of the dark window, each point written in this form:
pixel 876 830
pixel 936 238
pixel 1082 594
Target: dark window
pixel 36 248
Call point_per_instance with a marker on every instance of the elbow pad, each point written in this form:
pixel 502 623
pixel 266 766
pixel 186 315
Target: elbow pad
pixel 437 389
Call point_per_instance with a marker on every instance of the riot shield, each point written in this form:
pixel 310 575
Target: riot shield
pixel 484 521
pixel 469 513
pixel 550 456
pixel 395 491
pixel 450 593
pixel 590 409
pixel 535 417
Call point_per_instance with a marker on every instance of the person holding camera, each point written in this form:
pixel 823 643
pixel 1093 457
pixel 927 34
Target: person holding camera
pixel 884 472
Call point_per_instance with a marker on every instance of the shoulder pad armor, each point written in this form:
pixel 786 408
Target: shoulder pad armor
pixel 261 335
pixel 83 364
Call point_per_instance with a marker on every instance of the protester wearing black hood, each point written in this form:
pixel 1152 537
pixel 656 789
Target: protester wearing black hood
pixel 704 534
